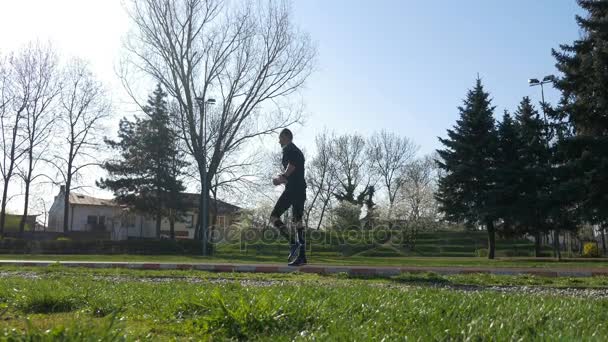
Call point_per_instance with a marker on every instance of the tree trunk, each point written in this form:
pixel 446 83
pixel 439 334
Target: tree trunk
pixel 25 206
pixel 9 173
pixel 198 232
pixel 3 212
pixel 159 218
pixel 603 241
pixel 68 184
pixel 556 250
pixel 214 220
pixel 537 244
pixel 28 181
pixel 199 224
pixel 172 225
pixel 322 214
pixel 66 201
pixel 491 239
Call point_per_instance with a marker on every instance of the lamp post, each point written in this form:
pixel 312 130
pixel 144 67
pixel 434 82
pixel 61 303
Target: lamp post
pixel 533 82
pixel 202 104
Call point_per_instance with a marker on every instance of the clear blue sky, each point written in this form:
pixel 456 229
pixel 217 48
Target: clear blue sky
pixel 406 65
pixel 401 65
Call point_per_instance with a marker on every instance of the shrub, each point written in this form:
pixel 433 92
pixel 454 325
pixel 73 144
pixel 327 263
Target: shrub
pixel 61 238
pixel 590 250
pixel 346 216
pixel 482 252
pixel 67 246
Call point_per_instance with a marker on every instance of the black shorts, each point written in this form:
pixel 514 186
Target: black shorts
pixel 294 198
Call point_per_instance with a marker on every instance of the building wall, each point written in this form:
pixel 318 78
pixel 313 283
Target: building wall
pixel 123 225
pixel 55 223
pixel 80 215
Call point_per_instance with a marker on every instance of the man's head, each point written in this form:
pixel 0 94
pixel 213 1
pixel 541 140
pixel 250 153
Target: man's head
pixel 285 137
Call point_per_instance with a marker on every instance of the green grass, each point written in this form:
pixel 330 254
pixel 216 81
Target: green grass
pixel 574 264
pixel 82 306
pixel 479 279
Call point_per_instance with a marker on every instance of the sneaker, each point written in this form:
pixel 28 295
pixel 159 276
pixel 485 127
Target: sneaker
pixel 293 251
pixel 298 262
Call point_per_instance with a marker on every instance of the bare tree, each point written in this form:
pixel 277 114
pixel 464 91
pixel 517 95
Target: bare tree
pixel 40 68
pixel 250 57
pixel 351 167
pixel 83 105
pixel 388 154
pixel 16 91
pixel 322 179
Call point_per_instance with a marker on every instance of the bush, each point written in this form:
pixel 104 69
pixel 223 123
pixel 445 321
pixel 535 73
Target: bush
pixel 67 246
pixel 482 252
pixel 61 238
pixel 590 250
pixel 346 216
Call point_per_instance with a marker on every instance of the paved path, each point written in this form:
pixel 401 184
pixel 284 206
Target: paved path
pixel 325 269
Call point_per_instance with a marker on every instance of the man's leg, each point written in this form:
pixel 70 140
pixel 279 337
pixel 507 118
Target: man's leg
pixel 283 203
pixel 297 217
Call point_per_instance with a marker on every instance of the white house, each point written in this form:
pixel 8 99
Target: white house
pixel 108 219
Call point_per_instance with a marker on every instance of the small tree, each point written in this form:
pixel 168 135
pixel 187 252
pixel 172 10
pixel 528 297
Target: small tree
pixel 535 175
pixel 321 180
pixel 83 105
pixel 416 195
pixel 146 174
pixel 389 154
pixel 351 164
pixel 508 175
pixel 40 74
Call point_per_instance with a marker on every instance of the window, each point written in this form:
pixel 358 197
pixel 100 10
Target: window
pixel 127 221
pixel 189 220
pixel 221 221
pixel 91 219
pixel 102 220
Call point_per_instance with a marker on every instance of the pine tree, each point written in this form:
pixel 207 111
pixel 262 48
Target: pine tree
pixel 146 174
pixel 584 105
pixel 466 188
pixel 535 172
pixel 508 175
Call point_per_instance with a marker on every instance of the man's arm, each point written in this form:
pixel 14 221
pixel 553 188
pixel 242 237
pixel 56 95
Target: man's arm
pixel 290 169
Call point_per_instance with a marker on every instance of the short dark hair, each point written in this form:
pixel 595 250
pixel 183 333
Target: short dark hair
pixel 286 132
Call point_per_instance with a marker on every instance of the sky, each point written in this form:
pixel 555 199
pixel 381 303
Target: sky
pixel 403 66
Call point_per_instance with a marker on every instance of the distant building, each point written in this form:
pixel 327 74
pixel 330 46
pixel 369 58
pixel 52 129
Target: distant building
pixel 107 218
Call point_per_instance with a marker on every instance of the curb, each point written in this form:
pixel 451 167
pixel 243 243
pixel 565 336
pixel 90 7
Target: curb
pixel 318 269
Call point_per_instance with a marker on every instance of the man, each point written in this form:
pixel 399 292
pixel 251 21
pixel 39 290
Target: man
pixel 293 196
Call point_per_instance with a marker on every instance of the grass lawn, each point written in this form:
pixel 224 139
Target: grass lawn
pixel 578 263
pixel 79 304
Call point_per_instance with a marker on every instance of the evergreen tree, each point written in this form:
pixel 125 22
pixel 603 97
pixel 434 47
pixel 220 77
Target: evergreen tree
pixel 535 172
pixel 508 175
pixel 145 177
pixel 466 187
pixel 584 105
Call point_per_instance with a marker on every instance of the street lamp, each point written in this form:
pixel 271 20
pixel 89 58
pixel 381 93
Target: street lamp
pixel 202 104
pixel 533 82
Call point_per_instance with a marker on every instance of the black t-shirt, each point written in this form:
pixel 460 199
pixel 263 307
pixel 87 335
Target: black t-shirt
pixel 292 155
